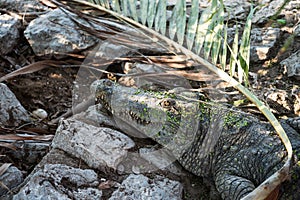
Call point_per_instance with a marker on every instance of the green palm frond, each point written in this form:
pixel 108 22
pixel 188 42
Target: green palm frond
pixel 205 33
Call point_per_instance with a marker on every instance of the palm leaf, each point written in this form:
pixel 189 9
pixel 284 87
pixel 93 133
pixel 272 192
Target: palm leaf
pixel 223 54
pixel 192 24
pixel 152 5
pixel 161 17
pixel 244 55
pixel 202 28
pixel 205 30
pixel 144 11
pixel 234 52
pixel 115 5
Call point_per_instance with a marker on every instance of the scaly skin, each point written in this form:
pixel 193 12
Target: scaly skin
pixel 233 147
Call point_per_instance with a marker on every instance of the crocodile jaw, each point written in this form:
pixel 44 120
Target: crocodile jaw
pixel 169 121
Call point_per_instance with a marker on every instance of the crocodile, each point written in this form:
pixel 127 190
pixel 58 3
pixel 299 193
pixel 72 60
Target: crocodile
pixel 208 139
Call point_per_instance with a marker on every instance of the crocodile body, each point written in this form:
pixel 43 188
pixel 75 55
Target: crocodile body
pixel 209 140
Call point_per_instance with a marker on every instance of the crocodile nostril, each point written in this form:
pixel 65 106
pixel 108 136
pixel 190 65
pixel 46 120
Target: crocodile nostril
pixel 102 96
pixel 167 103
pixel 111 77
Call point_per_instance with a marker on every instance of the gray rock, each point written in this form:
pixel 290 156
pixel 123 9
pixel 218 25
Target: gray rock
pixel 55 33
pixel 161 159
pixel 296 31
pixel 9 33
pixel 12 113
pixel 279 100
pixel 31 151
pixel 291 12
pixel 94 116
pixel 56 181
pixel 268 9
pixel 88 194
pixel 11 178
pixel 237 9
pixel 292 65
pixel 140 187
pixel 262 42
pixel 22 5
pixel 57 156
pixel 97 146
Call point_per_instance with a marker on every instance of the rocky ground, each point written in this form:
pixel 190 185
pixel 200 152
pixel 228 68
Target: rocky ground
pixel 48 52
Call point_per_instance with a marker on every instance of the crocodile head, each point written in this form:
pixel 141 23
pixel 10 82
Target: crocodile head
pixel 170 118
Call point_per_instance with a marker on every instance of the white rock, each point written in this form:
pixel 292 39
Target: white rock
pixel 292 65
pixel 57 181
pixel 97 146
pixel 40 113
pixel 55 33
pixel 142 187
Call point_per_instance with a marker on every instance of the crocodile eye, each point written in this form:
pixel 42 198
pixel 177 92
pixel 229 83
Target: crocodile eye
pixel 167 103
pixel 111 76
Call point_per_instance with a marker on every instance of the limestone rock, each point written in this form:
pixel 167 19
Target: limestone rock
pixel 94 116
pixel 268 9
pixel 31 151
pixel 161 159
pixel 262 42
pixel 9 33
pixel 279 101
pixel 292 65
pixel 12 113
pixel 11 178
pixel 55 33
pixel 97 146
pixel 56 181
pixel 291 12
pixel 142 187
pixel 22 5
pixel 296 31
pixel 237 9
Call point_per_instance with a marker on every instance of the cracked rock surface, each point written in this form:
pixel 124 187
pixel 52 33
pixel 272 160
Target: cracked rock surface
pixel 61 182
pixel 142 187
pixel 12 113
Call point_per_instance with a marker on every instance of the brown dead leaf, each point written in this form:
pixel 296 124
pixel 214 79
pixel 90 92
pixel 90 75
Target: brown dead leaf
pixel 195 76
pixel 4 186
pixel 106 185
pixel 274 195
pixel 9 146
pixel 34 67
pixel 48 3
pixel 16 137
pixel 4 167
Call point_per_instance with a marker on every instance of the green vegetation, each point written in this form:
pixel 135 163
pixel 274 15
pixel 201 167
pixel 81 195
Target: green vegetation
pixel 231 119
pixel 205 33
